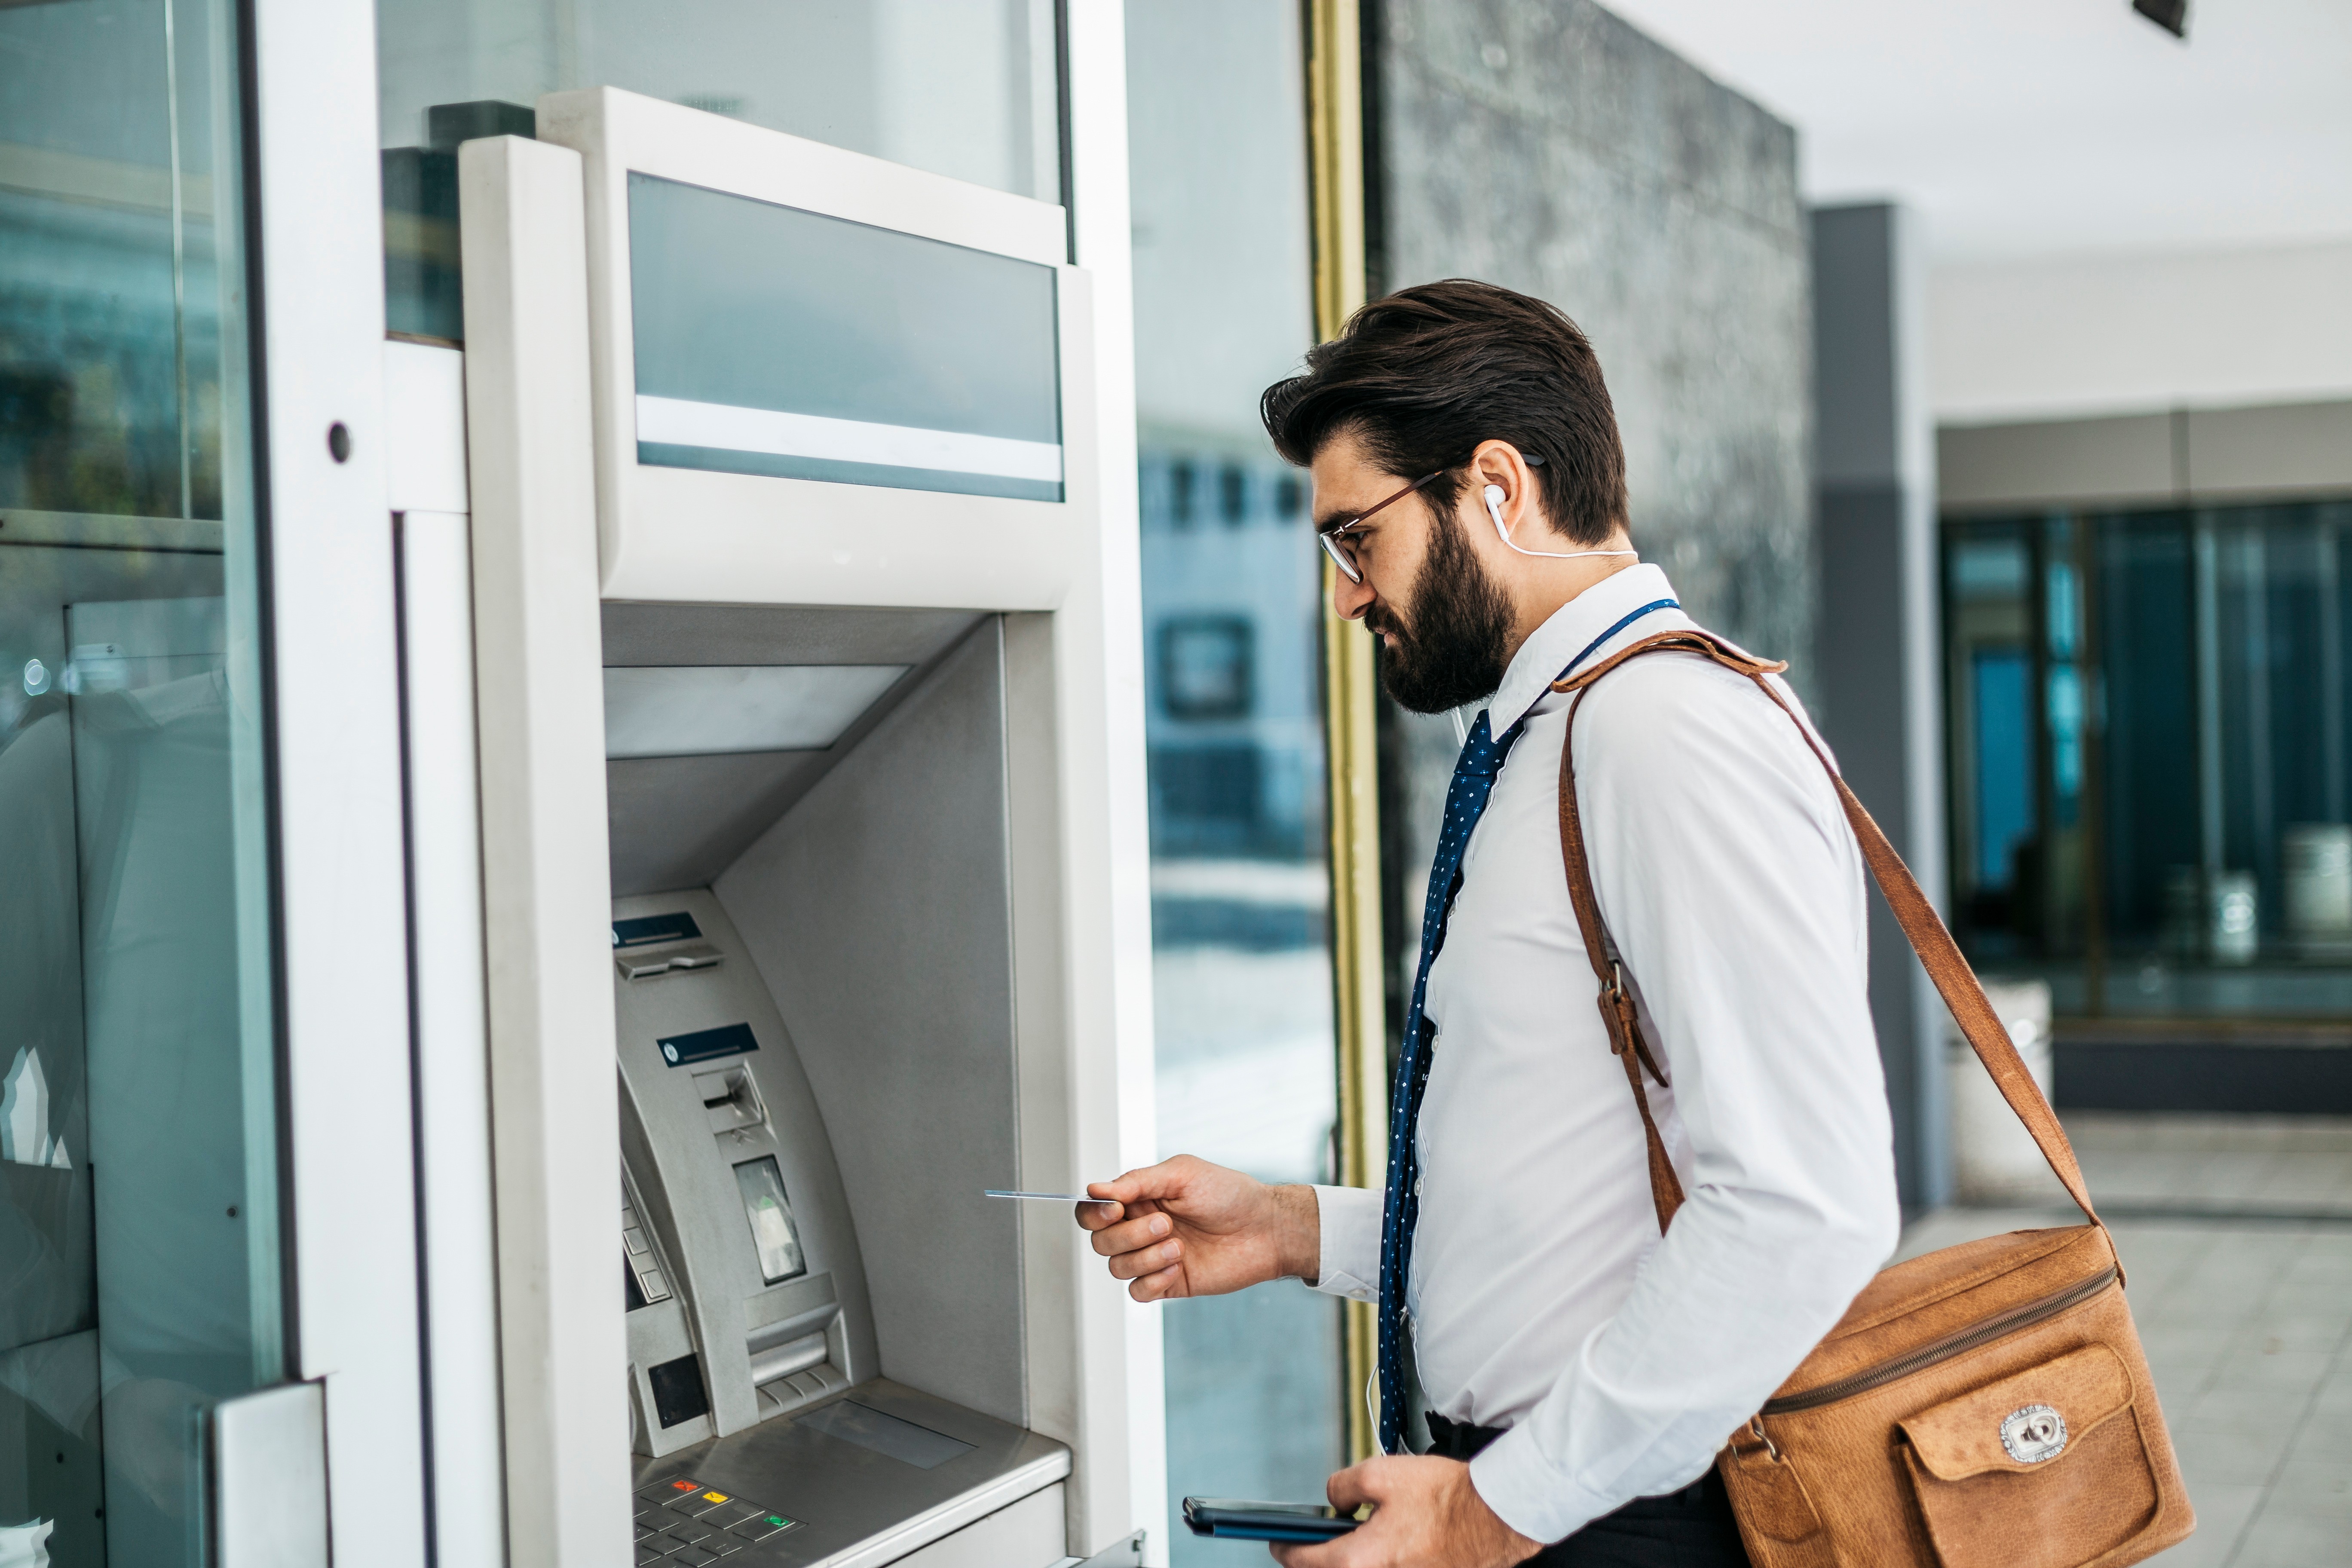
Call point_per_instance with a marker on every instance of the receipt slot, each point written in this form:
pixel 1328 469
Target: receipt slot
pixel 801 795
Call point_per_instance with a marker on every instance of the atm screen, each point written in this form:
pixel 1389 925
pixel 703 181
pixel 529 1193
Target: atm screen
pixel 777 341
pixel 770 1214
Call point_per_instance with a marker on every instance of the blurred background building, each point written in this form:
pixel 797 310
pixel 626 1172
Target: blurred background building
pixel 2137 346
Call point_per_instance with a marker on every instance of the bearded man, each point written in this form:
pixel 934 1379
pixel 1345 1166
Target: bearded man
pixel 1581 1371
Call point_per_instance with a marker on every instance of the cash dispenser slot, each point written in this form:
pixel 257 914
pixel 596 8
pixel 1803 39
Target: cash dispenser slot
pixel 790 1340
pixel 795 1355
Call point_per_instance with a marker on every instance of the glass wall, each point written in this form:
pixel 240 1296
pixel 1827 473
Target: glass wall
pixel 134 911
pixel 2148 745
pixel 966 88
pixel 1231 609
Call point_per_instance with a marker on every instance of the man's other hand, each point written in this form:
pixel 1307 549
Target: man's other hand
pixel 1185 1228
pixel 1426 1514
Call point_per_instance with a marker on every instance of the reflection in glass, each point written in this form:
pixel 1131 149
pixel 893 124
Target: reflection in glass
pixel 773 1233
pixel 2148 768
pixel 1231 584
pixel 134 935
pixel 112 356
pixel 965 88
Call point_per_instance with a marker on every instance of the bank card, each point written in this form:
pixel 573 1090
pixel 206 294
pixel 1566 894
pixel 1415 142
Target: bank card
pixel 1048 1197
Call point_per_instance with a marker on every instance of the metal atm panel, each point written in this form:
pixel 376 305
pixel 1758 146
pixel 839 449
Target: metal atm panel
pixel 713 1098
pixel 868 925
pixel 741 1316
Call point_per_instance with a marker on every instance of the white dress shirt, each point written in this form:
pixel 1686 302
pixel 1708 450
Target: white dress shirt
pixel 1543 1299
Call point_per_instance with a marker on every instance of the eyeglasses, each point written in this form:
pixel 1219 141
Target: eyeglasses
pixel 1341 551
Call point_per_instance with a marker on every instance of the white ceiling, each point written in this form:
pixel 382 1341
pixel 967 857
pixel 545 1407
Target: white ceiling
pixel 2024 128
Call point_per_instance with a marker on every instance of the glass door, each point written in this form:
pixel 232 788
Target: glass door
pixel 1241 880
pixel 139 1217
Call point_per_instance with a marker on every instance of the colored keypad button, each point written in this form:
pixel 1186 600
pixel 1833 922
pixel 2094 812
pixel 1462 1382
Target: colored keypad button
pixel 762 1526
pixel 699 1501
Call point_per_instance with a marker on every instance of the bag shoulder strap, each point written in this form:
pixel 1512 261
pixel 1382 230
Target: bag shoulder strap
pixel 1954 980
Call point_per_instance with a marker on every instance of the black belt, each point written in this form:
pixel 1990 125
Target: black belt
pixel 1461 1440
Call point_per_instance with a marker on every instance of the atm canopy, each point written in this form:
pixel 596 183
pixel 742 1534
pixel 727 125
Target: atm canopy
pixel 756 704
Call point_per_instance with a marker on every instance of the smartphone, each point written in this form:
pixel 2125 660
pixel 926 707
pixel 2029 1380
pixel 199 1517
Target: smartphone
pixel 1232 1518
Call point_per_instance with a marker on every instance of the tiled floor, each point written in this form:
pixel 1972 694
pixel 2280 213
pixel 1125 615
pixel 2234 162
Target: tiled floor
pixel 2236 1234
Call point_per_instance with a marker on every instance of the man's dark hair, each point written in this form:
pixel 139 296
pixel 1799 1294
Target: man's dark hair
pixel 1423 375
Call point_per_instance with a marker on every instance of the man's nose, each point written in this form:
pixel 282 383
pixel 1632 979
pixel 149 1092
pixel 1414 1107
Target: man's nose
pixel 1350 600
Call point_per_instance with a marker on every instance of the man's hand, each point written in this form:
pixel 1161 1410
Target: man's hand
pixel 1185 1228
pixel 1426 1515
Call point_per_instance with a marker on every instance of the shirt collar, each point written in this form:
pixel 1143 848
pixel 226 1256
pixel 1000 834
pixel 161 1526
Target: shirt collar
pixel 1572 630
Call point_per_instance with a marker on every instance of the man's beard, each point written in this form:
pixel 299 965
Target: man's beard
pixel 1449 639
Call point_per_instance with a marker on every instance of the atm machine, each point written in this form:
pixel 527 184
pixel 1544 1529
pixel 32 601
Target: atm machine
pixel 798 827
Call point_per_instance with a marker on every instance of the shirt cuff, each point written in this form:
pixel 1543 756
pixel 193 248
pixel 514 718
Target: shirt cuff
pixel 1350 1218
pixel 1514 1478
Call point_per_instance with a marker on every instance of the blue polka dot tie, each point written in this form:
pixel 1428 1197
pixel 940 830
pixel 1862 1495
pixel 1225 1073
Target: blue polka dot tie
pixel 1465 802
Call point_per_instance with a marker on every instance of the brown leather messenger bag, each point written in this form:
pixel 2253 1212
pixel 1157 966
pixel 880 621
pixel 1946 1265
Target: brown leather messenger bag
pixel 1985 1404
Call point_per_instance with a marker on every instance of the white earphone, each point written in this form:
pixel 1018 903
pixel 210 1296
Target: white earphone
pixel 1493 494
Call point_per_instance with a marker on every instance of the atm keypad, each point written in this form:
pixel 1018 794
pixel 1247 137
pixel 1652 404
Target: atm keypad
pixel 682 1523
pixel 666 1547
pixel 662 1548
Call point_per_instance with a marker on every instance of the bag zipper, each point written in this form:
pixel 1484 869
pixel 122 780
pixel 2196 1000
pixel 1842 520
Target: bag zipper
pixel 1951 1345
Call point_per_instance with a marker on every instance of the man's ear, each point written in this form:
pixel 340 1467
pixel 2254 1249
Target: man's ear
pixel 1504 467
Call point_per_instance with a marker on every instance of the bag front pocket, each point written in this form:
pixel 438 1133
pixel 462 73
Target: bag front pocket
pixel 2044 1468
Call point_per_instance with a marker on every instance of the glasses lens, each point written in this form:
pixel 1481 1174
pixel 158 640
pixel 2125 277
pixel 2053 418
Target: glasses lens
pixel 1342 555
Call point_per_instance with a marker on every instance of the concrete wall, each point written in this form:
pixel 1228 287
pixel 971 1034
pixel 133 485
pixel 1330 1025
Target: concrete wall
pixel 1546 145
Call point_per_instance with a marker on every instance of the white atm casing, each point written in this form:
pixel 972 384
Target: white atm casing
pixel 566 521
